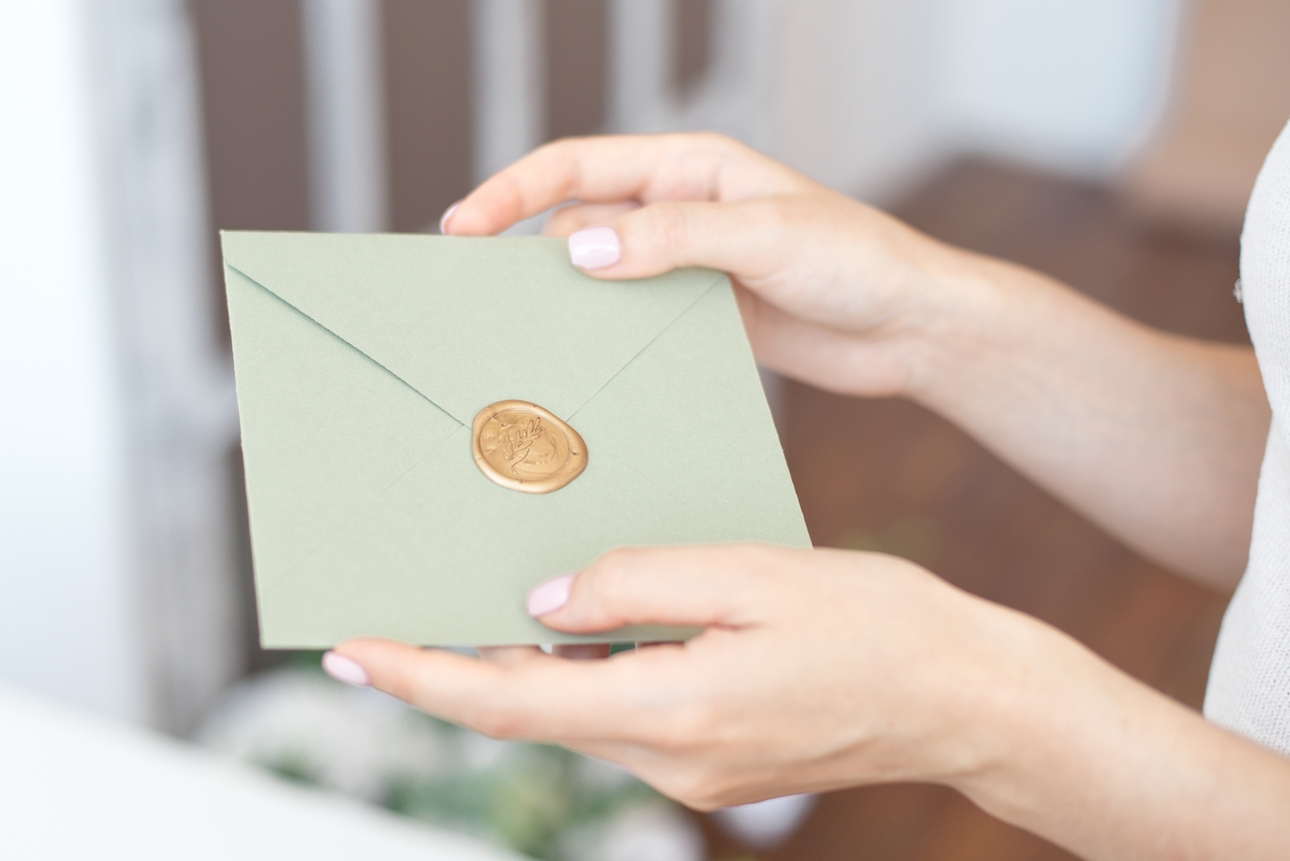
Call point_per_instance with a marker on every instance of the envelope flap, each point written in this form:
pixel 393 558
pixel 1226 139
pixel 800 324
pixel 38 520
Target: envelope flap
pixel 469 321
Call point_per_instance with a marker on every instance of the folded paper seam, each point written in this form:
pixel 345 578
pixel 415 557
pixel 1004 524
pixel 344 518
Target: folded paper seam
pixel 721 278
pixel 305 558
pixel 706 290
pixel 349 344
pixel 357 513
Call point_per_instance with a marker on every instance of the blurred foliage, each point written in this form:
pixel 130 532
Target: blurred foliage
pixel 530 800
pixel 540 800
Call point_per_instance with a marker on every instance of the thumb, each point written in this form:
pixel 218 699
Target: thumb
pixel 747 239
pixel 728 586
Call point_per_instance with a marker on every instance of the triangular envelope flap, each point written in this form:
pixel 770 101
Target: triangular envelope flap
pixel 469 321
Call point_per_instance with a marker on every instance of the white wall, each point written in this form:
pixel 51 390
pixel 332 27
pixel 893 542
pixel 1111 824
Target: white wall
pixel 851 101
pixel 1072 84
pixel 66 595
pixel 117 579
pixel 868 95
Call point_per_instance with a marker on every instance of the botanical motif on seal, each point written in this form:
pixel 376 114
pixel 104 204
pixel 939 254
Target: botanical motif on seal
pixel 525 447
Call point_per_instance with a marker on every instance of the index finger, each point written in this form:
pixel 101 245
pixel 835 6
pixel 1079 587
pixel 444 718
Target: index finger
pixel 612 168
pixel 542 698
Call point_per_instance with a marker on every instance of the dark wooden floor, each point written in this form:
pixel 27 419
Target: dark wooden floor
pixel 917 486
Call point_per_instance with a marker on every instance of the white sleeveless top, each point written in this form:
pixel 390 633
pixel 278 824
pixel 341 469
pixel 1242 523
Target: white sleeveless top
pixel 1249 680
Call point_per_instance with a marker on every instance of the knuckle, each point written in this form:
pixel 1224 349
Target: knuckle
pixel 707 802
pixel 563 222
pixel 693 786
pixel 415 687
pixel 753 567
pixel 559 145
pixel 772 214
pixel 499 726
pixel 693 726
pixel 608 580
pixel 496 719
pixel 616 566
pixel 404 688
pixel 668 223
pixel 618 557
pixel 701 720
pixel 718 141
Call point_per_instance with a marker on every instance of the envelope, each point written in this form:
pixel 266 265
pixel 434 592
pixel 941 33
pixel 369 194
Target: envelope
pixel 361 364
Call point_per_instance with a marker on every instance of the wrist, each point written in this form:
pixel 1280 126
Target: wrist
pixel 1059 732
pixel 968 327
pixel 1010 719
pixel 995 715
pixel 986 713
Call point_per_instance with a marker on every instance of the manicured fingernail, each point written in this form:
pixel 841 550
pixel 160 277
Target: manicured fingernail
pixel 549 596
pixel 443 219
pixel 346 670
pixel 594 248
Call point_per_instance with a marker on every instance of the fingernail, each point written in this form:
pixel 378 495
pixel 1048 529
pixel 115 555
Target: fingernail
pixel 346 670
pixel 443 219
pixel 594 248
pixel 550 596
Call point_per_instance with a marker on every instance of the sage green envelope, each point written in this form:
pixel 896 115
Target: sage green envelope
pixel 361 361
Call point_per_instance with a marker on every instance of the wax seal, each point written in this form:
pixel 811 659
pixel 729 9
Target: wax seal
pixel 526 448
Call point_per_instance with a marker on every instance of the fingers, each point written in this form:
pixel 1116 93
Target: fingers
pixel 751 240
pixel 569 219
pixel 619 168
pixel 538 697
pixel 728 586
pixel 508 655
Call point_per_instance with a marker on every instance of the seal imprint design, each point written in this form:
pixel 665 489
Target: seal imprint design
pixel 526 448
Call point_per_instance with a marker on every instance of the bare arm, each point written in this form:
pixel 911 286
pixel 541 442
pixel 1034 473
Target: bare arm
pixel 1109 768
pixel 1155 437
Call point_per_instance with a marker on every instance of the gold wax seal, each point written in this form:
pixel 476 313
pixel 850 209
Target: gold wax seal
pixel 525 447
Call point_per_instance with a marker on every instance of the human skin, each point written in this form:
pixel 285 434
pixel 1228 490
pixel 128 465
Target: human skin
pixel 822 669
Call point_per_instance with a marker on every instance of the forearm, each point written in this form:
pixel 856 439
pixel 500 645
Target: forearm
pixel 1157 438
pixel 1103 765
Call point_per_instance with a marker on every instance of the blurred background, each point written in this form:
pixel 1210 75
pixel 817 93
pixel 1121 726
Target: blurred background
pixel 1111 143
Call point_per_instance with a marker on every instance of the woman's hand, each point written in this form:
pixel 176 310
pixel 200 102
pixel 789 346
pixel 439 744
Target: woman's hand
pixel 1157 438
pixel 823 669
pixel 815 670
pixel 832 292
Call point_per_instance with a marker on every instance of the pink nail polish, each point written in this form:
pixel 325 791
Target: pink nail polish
pixel 594 248
pixel 443 219
pixel 346 670
pixel 549 596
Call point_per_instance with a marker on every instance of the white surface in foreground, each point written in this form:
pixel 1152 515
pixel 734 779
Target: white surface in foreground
pixel 76 787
